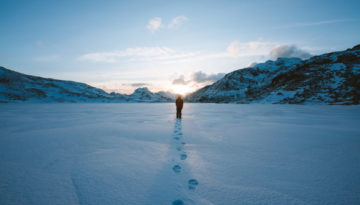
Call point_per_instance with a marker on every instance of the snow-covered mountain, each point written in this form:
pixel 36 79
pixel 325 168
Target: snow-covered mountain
pixel 18 87
pixel 332 78
pixel 145 95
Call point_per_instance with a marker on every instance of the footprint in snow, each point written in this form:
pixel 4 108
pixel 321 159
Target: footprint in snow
pixel 183 156
pixel 178 148
pixel 192 184
pixel 176 168
pixel 176 138
pixel 177 202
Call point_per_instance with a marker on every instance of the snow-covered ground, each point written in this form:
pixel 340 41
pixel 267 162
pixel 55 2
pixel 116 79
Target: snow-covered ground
pixel 217 154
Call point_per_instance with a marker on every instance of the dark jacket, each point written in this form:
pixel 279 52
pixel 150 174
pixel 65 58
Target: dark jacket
pixel 179 103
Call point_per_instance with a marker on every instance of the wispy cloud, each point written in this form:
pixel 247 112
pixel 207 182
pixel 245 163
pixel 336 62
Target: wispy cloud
pixel 237 49
pixel 237 53
pixel 234 49
pixel 105 57
pixel 154 24
pixel 136 54
pixel 177 22
pixel 317 23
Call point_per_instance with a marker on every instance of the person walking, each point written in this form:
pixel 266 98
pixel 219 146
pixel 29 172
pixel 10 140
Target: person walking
pixel 179 105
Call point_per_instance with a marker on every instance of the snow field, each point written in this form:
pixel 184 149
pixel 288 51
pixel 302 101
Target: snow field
pixel 217 154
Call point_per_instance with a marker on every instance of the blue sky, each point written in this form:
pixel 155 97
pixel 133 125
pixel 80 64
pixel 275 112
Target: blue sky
pixel 121 45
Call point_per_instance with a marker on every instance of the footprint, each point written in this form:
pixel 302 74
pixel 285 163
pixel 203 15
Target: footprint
pixel 192 184
pixel 176 138
pixel 183 156
pixel 176 168
pixel 177 202
pixel 178 148
pixel 183 143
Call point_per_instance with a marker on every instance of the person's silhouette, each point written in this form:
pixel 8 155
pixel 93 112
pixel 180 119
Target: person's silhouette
pixel 179 105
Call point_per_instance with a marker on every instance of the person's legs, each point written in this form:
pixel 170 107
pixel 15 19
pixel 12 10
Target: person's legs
pixel 178 112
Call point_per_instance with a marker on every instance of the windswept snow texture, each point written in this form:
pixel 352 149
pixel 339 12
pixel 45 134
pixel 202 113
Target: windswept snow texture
pixel 217 154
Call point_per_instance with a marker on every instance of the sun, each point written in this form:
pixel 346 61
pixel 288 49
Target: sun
pixel 180 89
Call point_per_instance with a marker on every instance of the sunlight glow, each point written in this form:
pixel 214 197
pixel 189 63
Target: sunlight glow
pixel 180 89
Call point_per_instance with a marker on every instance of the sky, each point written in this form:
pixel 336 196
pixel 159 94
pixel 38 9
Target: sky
pixel 176 46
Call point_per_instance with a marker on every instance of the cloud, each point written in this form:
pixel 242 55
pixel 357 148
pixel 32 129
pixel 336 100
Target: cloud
pixel 243 52
pixel 201 77
pixel 154 24
pixel 136 54
pixel 234 49
pixel 177 22
pixel 317 23
pixel 180 81
pixel 254 44
pixel 288 51
pixel 252 48
pixel 197 78
pixel 252 64
pixel 138 84
pixel 106 57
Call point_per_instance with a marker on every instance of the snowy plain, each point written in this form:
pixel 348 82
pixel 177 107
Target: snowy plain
pixel 217 154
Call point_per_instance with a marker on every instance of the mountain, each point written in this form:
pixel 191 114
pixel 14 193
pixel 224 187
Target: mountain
pixel 168 95
pixel 332 78
pixel 18 87
pixel 145 95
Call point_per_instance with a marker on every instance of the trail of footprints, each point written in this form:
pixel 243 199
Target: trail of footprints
pixel 178 136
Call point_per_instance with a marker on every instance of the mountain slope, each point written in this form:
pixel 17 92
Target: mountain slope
pixel 332 78
pixel 18 87
pixel 145 95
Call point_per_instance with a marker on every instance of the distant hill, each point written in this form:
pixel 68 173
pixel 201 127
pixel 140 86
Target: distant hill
pixel 332 78
pixel 18 87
